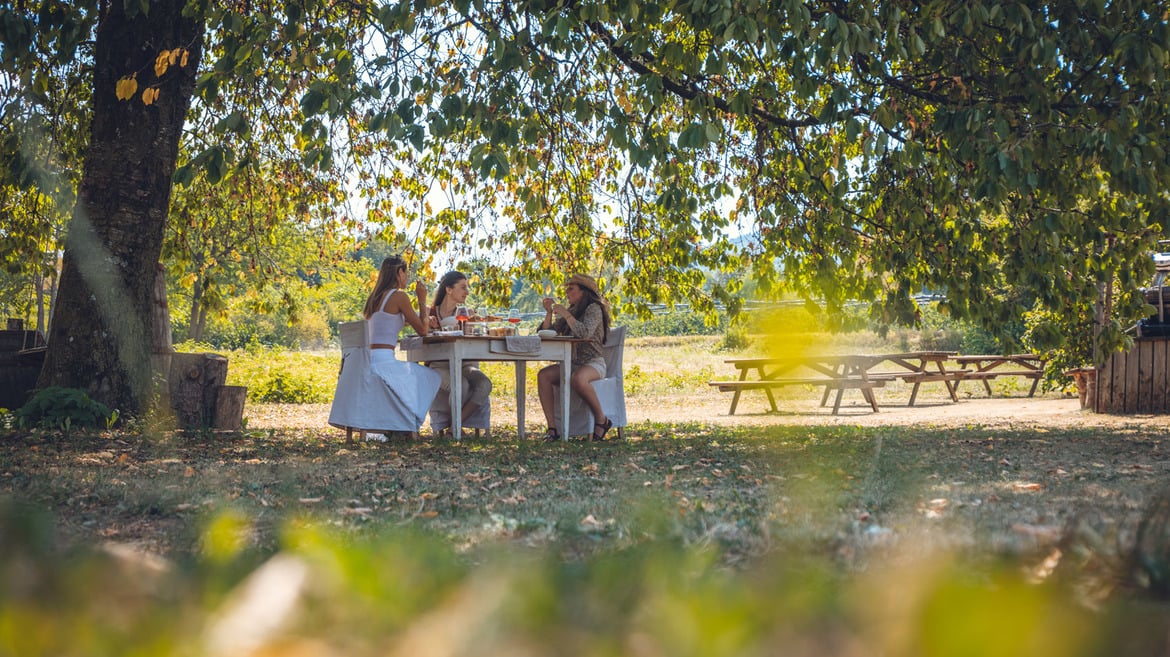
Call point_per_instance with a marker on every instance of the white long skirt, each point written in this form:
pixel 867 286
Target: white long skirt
pixel 378 392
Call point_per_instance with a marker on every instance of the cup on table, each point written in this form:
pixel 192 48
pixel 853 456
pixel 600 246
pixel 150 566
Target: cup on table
pixel 461 316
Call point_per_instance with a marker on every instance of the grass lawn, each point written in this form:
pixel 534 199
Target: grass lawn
pixel 691 537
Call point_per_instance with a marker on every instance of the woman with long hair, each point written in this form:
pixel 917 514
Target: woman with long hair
pixel 477 387
pixel 411 386
pixel 585 316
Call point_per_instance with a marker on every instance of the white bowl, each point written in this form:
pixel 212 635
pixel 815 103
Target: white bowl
pixel 547 333
pixel 449 323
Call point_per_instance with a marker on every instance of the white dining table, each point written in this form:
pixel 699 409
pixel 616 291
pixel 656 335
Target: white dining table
pixel 455 349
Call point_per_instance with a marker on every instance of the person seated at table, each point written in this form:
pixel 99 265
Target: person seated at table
pixel 586 316
pixel 388 309
pixel 477 387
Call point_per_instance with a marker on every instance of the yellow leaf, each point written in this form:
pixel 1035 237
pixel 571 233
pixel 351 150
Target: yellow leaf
pixel 149 96
pixel 173 56
pixel 183 59
pixel 161 63
pixel 126 87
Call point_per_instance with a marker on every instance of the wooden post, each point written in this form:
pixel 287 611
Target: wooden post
pixel 195 380
pixel 229 407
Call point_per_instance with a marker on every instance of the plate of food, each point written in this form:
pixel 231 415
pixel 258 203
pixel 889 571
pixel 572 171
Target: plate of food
pixel 547 333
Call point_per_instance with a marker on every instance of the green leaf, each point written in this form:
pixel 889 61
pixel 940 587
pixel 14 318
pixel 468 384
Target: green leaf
pixel 312 102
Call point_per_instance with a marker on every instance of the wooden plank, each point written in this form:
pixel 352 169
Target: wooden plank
pixel 1132 366
pixel 1115 401
pixel 1145 374
pixel 731 386
pixel 1159 381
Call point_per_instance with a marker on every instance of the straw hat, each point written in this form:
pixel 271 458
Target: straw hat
pixel 586 282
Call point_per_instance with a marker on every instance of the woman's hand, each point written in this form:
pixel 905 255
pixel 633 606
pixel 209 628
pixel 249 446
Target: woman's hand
pixel 548 302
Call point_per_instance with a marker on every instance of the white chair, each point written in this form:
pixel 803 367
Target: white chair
pixel 481 418
pixel 610 390
pixel 361 401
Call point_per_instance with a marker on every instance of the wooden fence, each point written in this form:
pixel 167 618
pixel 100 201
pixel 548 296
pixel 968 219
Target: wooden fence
pixel 1136 381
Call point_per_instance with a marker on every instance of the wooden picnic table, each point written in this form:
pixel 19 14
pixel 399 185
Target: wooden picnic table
pixel 837 372
pixel 988 366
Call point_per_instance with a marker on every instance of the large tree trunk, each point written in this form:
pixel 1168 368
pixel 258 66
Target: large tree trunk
pixel 100 332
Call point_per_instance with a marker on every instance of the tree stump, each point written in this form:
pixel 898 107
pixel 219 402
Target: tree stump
pixel 1086 380
pixel 229 407
pixel 195 380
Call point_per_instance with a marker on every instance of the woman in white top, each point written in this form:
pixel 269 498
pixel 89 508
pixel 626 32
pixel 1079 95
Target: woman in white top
pixel 477 387
pixel 387 310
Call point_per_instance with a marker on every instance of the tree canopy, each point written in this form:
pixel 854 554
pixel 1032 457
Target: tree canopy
pixel 1009 154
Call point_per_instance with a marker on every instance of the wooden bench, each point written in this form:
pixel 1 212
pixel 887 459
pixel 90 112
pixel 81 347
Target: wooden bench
pixel 987 367
pixel 830 383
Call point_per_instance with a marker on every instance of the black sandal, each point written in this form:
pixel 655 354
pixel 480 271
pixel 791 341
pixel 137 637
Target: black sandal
pixel 604 430
pixel 551 435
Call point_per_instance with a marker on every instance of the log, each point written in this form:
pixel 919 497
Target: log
pixel 229 407
pixel 195 380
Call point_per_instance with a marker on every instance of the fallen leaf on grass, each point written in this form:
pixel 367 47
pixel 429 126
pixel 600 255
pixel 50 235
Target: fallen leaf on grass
pixel 429 514
pixel 189 472
pixel 591 524
pixel 1042 533
pixel 1026 486
pixel 357 511
pixel 310 500
pixel 935 507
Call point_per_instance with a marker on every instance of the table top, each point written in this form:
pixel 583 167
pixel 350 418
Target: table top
pixel 976 358
pixel 438 339
pixel 843 358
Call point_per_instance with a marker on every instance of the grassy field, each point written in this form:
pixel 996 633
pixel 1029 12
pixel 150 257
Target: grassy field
pixel 689 538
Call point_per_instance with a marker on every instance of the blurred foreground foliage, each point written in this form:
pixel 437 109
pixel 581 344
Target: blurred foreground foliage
pixel 324 591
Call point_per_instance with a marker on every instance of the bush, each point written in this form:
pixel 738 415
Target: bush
pixel 677 322
pixel 735 339
pixel 280 387
pixel 63 408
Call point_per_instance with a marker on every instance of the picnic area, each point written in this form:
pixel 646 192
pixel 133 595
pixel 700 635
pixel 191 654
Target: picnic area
pixel 1013 487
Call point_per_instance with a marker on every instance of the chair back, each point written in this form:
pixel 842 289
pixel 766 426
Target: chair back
pixel 353 334
pixel 612 351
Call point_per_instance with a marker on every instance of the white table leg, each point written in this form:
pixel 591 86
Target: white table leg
pixel 566 370
pixel 521 376
pixel 456 392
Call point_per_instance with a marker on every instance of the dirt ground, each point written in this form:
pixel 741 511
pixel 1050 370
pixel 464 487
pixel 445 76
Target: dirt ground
pixel 710 407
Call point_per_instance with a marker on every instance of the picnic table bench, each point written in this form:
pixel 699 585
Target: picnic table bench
pixel 987 366
pixel 839 372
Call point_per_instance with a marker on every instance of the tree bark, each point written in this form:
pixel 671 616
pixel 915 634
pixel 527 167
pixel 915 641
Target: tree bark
pixel 100 331
pixel 229 408
pixel 195 323
pixel 195 380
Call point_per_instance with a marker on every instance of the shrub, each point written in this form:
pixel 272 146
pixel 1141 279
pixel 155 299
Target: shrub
pixel 735 339
pixel 62 408
pixel 280 387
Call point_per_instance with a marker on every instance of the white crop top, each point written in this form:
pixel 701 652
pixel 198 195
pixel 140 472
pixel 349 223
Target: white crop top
pixel 385 327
